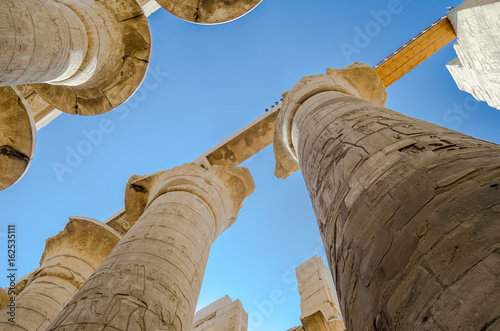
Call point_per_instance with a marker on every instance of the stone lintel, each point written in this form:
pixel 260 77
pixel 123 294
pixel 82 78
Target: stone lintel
pixel 118 221
pixel 243 144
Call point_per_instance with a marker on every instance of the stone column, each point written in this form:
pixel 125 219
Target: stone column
pixel 408 211
pixel 152 279
pixel 69 259
pixel 17 137
pixel 91 54
pixel 208 11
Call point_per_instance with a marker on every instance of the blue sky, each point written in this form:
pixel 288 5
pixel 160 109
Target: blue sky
pixel 205 83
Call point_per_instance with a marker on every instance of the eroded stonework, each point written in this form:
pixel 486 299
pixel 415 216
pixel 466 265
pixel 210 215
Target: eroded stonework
pixel 69 259
pixel 221 315
pixel 408 211
pixel 209 11
pixel 477 68
pixel 319 306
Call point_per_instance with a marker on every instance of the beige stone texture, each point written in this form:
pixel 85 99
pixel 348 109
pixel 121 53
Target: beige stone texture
pixel 221 315
pixel 42 40
pixel 477 68
pixel 4 298
pixel 87 57
pixel 81 57
pixel 17 137
pixel 152 279
pixel 69 259
pixel 208 11
pixel 119 222
pixel 297 328
pixel 351 81
pixel 319 306
pixel 44 112
pixel 408 211
pixel 243 144
pixel 149 6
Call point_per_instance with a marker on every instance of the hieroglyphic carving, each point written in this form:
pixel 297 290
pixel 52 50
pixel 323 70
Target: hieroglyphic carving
pixel 408 210
pixel 476 69
pixel 69 259
pixel 152 279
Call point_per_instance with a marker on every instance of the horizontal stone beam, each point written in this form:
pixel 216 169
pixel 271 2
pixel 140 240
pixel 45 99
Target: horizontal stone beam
pixel 243 144
pixel 416 51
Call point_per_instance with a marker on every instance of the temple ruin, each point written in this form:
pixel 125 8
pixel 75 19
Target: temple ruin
pixel 408 211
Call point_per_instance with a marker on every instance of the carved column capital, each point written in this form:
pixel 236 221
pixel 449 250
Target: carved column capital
pixel 75 252
pixel 357 79
pixel 222 188
pixel 152 279
pixel 70 257
pixel 17 137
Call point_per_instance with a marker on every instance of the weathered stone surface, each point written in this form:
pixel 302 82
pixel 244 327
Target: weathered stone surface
pixel 43 112
pixel 69 259
pixel 349 80
pixel 17 137
pixel 221 315
pixel 4 298
pixel 91 55
pixel 153 277
pixel 243 144
pixel 119 222
pixel 477 68
pixel 42 40
pixel 319 305
pixel 87 57
pixel 411 224
pixel 208 11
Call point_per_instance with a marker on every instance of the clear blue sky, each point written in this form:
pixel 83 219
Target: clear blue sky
pixel 206 82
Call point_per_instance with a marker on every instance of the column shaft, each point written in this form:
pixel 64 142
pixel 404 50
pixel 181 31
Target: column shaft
pixel 69 259
pixel 42 40
pixel 408 211
pixel 151 281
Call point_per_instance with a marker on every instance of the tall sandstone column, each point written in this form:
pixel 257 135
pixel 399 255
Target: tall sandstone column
pixel 152 279
pixel 409 211
pixel 69 259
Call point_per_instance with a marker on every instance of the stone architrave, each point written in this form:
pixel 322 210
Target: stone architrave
pixel 69 259
pixel 409 212
pixel 221 315
pixel 152 279
pixel 82 57
pixel 477 68
pixel 319 305
pixel 208 11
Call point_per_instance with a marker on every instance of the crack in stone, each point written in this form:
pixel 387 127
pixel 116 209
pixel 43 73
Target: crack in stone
pixel 14 153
